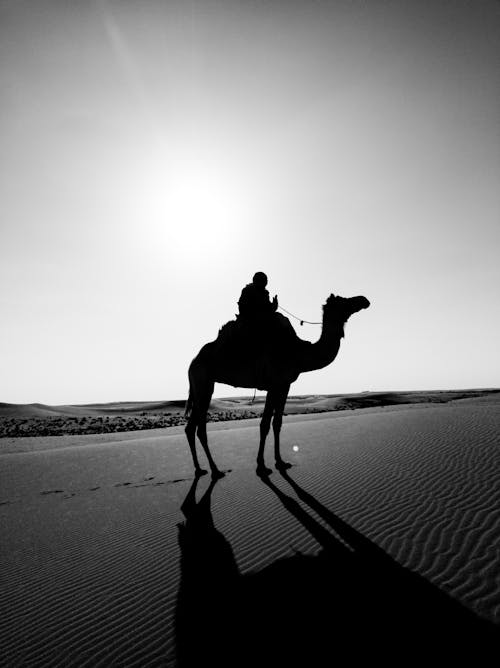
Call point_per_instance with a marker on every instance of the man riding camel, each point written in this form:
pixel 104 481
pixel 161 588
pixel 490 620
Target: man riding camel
pixel 258 314
pixel 254 304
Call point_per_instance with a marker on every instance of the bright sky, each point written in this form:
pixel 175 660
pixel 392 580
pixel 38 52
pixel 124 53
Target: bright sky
pixel 156 154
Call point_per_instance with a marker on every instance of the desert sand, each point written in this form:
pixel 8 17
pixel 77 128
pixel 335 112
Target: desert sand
pixel 381 542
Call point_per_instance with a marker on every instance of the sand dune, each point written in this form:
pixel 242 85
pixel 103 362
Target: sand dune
pixel 21 420
pixel 388 523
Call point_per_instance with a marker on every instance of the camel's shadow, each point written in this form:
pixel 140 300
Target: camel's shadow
pixel 351 603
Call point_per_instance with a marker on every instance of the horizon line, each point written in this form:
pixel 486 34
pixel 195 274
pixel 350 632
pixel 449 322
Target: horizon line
pixel 259 394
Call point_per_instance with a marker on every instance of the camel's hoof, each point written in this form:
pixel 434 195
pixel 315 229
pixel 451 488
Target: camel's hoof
pixel 199 472
pixel 283 466
pixel 216 474
pixel 262 470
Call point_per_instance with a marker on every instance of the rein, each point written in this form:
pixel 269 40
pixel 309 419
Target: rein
pixel 301 320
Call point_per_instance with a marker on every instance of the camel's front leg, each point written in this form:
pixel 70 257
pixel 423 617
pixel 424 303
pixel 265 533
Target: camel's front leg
pixel 265 425
pixel 279 407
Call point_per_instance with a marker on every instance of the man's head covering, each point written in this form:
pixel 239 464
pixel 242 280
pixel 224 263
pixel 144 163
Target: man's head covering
pixel 260 279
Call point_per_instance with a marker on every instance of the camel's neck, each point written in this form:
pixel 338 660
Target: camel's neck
pixel 324 351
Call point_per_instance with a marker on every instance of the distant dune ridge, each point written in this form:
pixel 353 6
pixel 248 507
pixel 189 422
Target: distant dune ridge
pixel 18 420
pixel 379 544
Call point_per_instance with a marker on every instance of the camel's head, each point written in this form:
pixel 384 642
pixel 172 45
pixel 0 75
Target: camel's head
pixel 341 308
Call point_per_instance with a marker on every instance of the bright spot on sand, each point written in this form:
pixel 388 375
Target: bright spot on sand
pixel 295 448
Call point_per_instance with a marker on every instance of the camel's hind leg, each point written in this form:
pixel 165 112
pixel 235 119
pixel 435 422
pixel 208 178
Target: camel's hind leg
pixel 200 411
pixel 190 432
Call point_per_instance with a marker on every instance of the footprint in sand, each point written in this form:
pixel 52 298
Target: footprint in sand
pixel 52 491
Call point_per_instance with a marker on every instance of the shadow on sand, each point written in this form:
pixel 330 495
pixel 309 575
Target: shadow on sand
pixel 351 603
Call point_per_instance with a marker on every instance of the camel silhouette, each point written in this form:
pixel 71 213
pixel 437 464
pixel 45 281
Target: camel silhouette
pixel 271 367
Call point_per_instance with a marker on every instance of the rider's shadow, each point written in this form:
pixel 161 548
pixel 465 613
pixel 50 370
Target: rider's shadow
pixel 349 603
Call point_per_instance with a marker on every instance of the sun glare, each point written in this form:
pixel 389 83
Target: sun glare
pixel 199 209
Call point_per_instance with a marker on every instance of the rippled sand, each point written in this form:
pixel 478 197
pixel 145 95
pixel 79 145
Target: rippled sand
pixel 93 571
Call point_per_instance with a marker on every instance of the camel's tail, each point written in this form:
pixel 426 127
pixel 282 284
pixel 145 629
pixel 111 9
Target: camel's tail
pixel 189 405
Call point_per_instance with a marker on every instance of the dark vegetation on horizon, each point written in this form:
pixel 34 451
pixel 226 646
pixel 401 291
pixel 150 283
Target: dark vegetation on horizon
pixel 17 420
